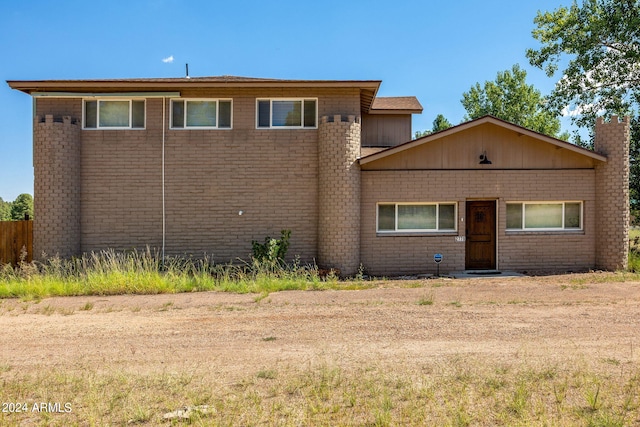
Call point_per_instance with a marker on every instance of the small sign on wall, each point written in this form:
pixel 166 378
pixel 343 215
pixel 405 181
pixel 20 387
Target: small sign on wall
pixel 460 238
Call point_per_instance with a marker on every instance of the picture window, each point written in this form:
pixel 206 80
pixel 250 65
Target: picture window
pixel 544 216
pixel 416 217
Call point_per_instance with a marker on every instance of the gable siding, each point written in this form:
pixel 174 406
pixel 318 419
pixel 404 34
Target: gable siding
pixel 505 148
pixel 382 130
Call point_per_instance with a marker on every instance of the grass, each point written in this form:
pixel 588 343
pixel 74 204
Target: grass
pixel 116 273
pixel 458 390
pixel 634 250
pixel 426 299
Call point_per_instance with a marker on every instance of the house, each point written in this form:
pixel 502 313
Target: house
pixel 206 165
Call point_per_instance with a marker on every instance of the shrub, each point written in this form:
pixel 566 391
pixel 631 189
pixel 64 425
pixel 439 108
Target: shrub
pixel 272 251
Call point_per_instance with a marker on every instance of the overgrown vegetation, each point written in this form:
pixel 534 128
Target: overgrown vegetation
pixel 272 251
pixel 634 250
pixel 111 273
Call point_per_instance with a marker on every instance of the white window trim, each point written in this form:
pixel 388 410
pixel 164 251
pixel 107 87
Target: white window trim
pixel 271 126
pixel 185 127
pixel 98 127
pixel 563 202
pixel 419 230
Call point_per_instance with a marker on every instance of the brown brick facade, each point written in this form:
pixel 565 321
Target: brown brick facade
pixel 210 177
pixel 517 250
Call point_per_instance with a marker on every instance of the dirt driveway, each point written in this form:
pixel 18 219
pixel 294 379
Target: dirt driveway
pixel 542 319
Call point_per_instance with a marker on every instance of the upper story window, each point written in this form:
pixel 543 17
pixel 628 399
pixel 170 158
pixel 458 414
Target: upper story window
pixel 201 113
pixel 292 113
pixel 114 114
pixel 544 216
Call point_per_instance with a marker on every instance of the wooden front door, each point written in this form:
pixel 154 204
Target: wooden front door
pixel 481 235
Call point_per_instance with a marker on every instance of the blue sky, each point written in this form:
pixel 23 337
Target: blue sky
pixel 433 50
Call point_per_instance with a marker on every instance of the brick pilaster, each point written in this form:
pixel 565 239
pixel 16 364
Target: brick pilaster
pixel 339 194
pixel 612 194
pixel 56 162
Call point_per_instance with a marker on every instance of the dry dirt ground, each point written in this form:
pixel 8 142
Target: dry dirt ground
pixel 543 319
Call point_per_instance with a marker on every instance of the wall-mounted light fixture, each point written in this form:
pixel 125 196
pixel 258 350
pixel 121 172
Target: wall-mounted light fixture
pixel 483 159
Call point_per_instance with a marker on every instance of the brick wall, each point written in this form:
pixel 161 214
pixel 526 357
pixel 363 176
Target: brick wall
pixel 269 175
pixel 122 186
pixel 612 192
pixel 401 254
pixel 339 196
pixel 56 161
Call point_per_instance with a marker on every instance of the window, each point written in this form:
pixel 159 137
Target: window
pixel 544 216
pixel 408 217
pixel 287 113
pixel 201 113
pixel 114 114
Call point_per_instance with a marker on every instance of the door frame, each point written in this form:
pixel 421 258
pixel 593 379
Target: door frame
pixel 495 227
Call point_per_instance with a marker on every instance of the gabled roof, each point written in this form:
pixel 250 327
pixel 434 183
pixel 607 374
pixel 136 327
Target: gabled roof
pixel 368 88
pixel 396 105
pixel 477 122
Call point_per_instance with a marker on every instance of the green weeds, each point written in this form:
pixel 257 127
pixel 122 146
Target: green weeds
pixel 634 250
pixel 117 273
pixel 427 299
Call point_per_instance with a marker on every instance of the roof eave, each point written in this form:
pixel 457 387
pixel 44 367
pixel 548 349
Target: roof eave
pixel 368 88
pixel 28 86
pixel 380 111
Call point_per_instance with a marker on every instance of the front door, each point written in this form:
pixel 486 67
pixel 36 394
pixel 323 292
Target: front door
pixel 481 235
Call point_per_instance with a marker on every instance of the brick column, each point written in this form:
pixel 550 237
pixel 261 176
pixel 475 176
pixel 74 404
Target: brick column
pixel 339 194
pixel 612 194
pixel 56 163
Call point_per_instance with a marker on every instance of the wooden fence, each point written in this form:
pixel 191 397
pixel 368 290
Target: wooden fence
pixel 16 242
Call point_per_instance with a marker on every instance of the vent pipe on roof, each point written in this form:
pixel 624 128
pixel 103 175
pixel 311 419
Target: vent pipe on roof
pixel 187 70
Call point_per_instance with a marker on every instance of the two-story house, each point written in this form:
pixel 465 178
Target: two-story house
pixel 193 166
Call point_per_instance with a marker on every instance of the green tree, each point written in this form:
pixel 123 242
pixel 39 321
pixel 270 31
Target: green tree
pixel 23 204
pixel 599 40
pixel 5 210
pixel 510 98
pixel 439 123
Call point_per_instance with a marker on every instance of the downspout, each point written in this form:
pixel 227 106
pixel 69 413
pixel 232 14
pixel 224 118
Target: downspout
pixel 164 228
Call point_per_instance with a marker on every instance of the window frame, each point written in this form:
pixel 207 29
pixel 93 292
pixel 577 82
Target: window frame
pixel 302 117
pixel 98 100
pixel 187 100
pixel 563 228
pixel 397 230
